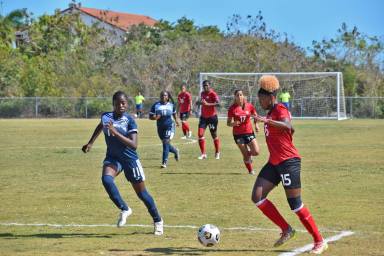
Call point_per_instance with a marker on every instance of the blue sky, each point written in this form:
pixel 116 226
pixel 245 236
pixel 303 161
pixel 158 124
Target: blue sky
pixel 302 20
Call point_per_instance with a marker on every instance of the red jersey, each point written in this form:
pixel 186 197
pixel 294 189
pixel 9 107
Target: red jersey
pixel 279 141
pixel 210 97
pixel 184 99
pixel 243 116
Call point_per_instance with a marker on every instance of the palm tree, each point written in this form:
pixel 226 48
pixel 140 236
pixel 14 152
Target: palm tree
pixel 9 24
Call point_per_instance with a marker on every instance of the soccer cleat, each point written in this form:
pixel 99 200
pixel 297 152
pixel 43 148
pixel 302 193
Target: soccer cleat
pixel 203 156
pixel 252 172
pixel 158 228
pixel 217 155
pixel 177 155
pixel 183 137
pixel 319 248
pixel 123 217
pixel 163 165
pixel 189 135
pixel 285 236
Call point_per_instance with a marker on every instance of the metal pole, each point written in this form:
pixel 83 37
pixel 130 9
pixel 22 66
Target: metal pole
pixel 338 96
pixel 86 108
pixel 36 107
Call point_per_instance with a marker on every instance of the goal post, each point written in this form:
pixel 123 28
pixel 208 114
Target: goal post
pixel 314 95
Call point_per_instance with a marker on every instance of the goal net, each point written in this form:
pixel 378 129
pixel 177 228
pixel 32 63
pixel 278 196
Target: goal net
pixel 316 95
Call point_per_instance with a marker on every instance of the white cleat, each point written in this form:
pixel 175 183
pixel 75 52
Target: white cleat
pixel 251 173
pixel 189 134
pixel 183 137
pixel 158 228
pixel 217 155
pixel 203 156
pixel 123 217
pixel 163 165
pixel 319 248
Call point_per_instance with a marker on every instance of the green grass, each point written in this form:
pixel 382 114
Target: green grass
pixel 45 178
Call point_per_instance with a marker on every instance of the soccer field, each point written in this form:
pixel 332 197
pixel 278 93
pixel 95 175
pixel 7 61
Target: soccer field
pixel 53 201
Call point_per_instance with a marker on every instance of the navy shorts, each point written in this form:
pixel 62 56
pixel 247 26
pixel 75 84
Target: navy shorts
pixel 244 138
pixel 288 172
pixel 166 133
pixel 133 170
pixel 139 106
pixel 211 122
pixel 184 116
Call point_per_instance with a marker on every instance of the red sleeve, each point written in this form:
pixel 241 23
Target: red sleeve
pixel 230 112
pixel 282 112
pixel 216 97
pixel 189 97
pixel 253 110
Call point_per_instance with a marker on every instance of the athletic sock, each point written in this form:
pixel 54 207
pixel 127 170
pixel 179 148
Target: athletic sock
pixel 216 141
pixel 202 145
pixel 113 192
pixel 249 166
pixel 184 128
pixel 172 149
pixel 272 213
pixel 150 204
pixel 165 152
pixel 309 223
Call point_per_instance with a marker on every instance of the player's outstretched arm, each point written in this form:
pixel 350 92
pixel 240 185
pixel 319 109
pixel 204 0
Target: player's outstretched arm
pixel 87 147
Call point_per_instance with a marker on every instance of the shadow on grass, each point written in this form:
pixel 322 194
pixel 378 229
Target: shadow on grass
pixel 203 173
pixel 198 251
pixel 67 235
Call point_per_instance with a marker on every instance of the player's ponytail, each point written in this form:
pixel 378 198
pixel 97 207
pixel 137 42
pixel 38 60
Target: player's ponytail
pixel 170 97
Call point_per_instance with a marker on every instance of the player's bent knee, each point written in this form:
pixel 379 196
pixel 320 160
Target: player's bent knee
pixel 107 179
pixel 295 203
pixel 200 133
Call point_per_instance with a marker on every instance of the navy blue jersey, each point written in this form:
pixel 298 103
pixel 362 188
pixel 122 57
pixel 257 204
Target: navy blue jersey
pixel 165 111
pixel 124 125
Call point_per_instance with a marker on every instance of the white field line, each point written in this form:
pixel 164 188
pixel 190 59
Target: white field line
pixel 308 247
pixel 255 229
pixel 188 141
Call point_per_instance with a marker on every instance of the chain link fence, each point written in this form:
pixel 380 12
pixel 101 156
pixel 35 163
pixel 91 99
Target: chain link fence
pixel 87 107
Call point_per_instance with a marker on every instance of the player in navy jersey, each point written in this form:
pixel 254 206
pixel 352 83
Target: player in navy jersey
pixel 120 131
pixel 239 117
pixel 284 165
pixel 163 111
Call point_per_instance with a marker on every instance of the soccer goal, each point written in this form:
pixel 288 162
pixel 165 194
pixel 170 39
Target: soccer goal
pixel 314 95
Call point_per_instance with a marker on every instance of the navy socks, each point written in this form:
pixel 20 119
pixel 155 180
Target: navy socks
pixel 150 204
pixel 113 192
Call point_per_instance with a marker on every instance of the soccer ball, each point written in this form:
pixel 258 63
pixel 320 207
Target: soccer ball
pixel 208 235
pixel 135 115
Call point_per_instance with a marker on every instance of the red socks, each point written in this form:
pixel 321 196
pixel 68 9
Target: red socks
pixel 185 128
pixel 202 145
pixel 309 223
pixel 272 213
pixel 248 165
pixel 217 145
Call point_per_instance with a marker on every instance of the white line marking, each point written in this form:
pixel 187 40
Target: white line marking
pixel 309 246
pixel 256 229
pixel 189 141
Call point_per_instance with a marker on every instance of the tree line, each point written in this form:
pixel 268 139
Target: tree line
pixel 64 57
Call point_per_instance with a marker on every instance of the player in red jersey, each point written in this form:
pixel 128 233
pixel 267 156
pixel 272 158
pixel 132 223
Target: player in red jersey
pixel 209 101
pixel 184 108
pixel 239 117
pixel 284 165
